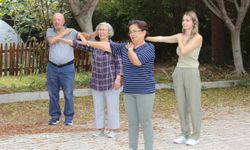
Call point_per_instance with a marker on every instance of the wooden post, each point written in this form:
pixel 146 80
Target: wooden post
pixel 5 60
pixel 1 59
pixel 17 60
pixel 11 58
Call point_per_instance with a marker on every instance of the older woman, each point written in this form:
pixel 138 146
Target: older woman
pixel 106 81
pixel 139 84
pixel 186 77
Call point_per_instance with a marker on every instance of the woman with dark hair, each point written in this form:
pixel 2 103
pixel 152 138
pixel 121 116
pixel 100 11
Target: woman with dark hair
pixel 186 77
pixel 139 83
pixel 105 82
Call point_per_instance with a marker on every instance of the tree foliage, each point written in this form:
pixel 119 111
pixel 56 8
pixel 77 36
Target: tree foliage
pixel 31 18
pixel 163 17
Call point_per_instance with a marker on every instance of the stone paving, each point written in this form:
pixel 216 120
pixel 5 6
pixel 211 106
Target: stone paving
pixel 224 129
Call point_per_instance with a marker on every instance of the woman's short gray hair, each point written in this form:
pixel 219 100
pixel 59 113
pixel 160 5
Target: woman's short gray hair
pixel 110 28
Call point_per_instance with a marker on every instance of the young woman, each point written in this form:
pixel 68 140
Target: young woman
pixel 186 77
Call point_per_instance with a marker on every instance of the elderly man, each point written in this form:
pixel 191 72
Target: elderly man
pixel 60 70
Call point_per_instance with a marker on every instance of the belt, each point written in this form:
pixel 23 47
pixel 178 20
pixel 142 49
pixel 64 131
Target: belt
pixel 62 65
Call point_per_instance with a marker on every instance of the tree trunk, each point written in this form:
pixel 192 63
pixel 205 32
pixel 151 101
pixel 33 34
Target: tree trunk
pixel 218 40
pixel 85 23
pixel 237 55
pixel 83 13
pixel 218 7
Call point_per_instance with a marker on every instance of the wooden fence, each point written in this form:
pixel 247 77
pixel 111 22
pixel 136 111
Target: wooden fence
pixel 32 58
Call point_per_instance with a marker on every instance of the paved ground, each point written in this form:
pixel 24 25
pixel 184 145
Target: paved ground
pixel 224 129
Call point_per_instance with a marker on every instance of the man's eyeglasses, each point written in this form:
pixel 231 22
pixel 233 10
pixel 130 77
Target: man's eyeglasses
pixel 134 31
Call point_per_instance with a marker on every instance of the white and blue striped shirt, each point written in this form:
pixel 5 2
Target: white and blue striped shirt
pixel 137 79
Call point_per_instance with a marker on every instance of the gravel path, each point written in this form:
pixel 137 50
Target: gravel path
pixel 223 129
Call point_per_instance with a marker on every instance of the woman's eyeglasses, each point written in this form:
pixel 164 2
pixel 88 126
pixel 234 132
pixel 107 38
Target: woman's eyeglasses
pixel 134 31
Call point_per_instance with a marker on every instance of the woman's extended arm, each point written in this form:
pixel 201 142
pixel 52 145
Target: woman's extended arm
pixel 105 46
pixel 68 42
pixel 86 35
pixel 164 39
pixel 77 44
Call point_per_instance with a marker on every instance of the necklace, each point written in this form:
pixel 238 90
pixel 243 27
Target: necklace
pixel 136 46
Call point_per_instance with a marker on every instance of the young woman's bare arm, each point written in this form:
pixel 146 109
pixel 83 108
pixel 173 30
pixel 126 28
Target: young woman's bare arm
pixel 163 39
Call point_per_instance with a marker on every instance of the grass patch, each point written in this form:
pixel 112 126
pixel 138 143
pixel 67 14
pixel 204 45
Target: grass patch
pixel 82 79
pixel 11 84
pixel 25 83
pixel 163 74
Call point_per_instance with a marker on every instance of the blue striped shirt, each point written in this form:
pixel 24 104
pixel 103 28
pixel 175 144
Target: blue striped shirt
pixel 137 79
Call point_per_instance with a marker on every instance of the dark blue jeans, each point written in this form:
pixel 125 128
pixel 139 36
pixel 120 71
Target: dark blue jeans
pixel 61 77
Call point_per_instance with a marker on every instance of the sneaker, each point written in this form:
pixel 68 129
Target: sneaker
pixel 192 142
pixel 180 140
pixel 111 134
pixel 53 122
pixel 70 123
pixel 98 133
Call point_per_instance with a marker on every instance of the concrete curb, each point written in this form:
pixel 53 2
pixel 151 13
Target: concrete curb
pixel 43 95
pixel 220 84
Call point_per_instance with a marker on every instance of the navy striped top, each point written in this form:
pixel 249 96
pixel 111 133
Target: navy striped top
pixel 137 79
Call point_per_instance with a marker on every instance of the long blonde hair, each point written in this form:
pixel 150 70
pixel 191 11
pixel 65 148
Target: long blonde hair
pixel 195 20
